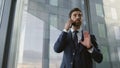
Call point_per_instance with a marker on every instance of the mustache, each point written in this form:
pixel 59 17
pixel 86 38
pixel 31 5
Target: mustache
pixel 76 24
pixel 77 20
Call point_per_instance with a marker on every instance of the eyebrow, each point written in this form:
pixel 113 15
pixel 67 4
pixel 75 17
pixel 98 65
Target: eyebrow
pixel 81 14
pixel 78 14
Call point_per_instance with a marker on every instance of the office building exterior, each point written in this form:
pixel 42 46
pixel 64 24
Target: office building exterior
pixel 29 29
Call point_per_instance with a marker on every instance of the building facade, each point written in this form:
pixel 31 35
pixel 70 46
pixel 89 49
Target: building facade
pixel 29 29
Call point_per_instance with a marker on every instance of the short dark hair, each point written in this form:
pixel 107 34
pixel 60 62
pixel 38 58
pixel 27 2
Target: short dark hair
pixel 74 9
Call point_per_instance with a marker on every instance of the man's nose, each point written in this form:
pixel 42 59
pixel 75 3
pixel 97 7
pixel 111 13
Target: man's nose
pixel 78 17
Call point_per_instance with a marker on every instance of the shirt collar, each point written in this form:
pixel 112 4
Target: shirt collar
pixel 79 30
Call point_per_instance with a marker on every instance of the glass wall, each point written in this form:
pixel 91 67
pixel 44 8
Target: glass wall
pixel 31 40
pixel 1 34
pixel 112 19
pixel 105 25
pixel 5 20
pixel 41 21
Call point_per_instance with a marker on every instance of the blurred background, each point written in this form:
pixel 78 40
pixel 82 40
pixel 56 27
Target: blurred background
pixel 29 29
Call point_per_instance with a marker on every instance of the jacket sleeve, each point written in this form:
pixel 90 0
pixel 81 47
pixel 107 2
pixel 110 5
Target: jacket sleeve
pixel 61 42
pixel 96 54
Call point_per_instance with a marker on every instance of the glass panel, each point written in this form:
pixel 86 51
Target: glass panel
pixel 106 58
pixel 117 32
pixel 31 41
pixel 114 13
pixel 112 0
pixel 35 15
pixel 105 52
pixel 54 2
pixel 53 20
pixel 99 10
pixel 55 58
pixel 107 12
pixel 118 49
pixel 101 30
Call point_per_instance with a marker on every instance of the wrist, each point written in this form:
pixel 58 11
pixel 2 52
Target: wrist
pixel 65 30
pixel 91 50
pixel 89 47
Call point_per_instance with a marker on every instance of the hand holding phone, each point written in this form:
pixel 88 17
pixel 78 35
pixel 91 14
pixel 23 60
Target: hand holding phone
pixel 69 24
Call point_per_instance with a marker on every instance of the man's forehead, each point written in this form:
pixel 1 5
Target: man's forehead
pixel 77 12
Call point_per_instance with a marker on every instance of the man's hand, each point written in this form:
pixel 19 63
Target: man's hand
pixel 68 24
pixel 87 41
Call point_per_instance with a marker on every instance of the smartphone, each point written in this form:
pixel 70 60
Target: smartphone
pixel 73 24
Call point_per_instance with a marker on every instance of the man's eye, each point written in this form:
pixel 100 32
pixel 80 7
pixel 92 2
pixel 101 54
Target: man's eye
pixel 80 14
pixel 75 15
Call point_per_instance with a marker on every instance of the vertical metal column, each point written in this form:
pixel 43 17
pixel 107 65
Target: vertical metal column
pixel 9 6
pixel 46 41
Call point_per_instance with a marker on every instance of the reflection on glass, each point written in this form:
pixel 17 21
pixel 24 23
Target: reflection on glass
pixel 105 52
pixel 54 2
pixel 107 12
pixel 99 10
pixel 118 49
pixel 1 9
pixel 55 58
pixel 31 41
pixel 101 30
pixel 106 58
pixel 53 20
pixel 112 0
pixel 117 32
pixel 114 13
pixel 31 37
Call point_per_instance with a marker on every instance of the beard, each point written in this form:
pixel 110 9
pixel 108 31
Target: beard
pixel 76 23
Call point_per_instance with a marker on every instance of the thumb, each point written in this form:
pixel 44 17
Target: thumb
pixel 81 42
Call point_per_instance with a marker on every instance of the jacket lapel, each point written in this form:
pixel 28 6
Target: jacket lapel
pixel 82 39
pixel 70 36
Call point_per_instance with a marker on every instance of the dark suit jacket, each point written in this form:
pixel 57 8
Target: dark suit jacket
pixel 76 57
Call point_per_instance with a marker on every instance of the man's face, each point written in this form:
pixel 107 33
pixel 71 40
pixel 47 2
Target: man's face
pixel 76 17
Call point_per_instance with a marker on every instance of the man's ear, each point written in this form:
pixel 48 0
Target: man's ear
pixel 71 24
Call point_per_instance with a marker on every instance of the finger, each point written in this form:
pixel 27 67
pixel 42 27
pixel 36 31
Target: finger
pixel 85 34
pixel 81 42
pixel 71 21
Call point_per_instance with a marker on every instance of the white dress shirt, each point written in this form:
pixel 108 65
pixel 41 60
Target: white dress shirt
pixel 79 34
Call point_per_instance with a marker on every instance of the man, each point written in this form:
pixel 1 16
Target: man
pixel 79 47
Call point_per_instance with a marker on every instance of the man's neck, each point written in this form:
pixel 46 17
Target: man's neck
pixel 75 29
